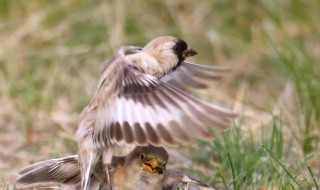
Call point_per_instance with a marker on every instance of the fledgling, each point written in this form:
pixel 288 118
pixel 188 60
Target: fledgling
pixel 142 168
pixel 139 101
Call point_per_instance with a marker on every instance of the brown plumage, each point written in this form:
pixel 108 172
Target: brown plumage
pixel 177 180
pixel 139 100
pixel 142 168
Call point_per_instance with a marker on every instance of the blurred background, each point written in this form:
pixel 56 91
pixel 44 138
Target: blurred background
pixel 51 54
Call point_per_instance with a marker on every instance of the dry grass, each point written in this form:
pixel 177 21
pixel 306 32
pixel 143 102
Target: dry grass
pixel 51 54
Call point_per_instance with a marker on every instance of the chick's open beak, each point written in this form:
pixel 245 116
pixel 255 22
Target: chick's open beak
pixel 189 52
pixel 152 166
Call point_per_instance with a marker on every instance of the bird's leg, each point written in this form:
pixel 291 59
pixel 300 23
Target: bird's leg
pixel 88 159
pixel 108 176
pixel 86 170
pixel 107 157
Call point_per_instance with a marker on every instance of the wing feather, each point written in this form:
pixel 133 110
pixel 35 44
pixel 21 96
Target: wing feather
pixel 193 75
pixel 63 170
pixel 149 111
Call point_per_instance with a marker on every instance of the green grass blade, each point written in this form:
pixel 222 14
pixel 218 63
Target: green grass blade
pixel 289 174
pixel 233 173
pixel 313 178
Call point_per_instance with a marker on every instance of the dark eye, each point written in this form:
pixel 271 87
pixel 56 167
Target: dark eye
pixel 142 156
pixel 176 48
pixel 159 170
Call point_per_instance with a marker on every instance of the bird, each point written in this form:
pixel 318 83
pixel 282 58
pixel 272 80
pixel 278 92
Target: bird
pixel 142 168
pixel 140 99
pixel 177 180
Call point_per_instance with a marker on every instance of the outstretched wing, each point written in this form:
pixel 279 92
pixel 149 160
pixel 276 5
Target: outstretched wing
pixel 149 111
pixel 61 173
pixel 62 170
pixel 193 75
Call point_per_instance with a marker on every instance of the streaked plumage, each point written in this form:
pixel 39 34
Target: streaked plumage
pixel 125 172
pixel 142 168
pixel 139 100
pixel 176 180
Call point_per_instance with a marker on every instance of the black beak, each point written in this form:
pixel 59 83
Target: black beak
pixel 189 52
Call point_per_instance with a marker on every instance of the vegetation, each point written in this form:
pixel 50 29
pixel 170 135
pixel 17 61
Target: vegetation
pixel 51 53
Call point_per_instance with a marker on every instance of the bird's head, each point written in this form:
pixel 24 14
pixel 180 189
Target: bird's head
pixel 149 159
pixel 168 49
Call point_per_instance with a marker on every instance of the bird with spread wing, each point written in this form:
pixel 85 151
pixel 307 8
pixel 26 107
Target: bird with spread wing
pixel 142 168
pixel 140 100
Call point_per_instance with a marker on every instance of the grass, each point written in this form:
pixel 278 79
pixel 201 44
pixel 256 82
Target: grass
pixel 51 54
pixel 264 162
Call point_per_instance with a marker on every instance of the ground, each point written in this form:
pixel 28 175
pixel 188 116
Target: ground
pixel 51 53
